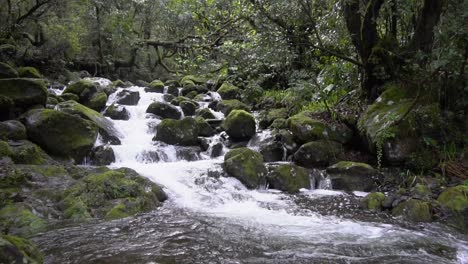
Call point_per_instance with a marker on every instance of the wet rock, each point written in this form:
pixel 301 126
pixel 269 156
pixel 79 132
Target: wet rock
pixel 168 97
pixel 192 80
pixel 102 155
pixel 287 140
pixel 239 125
pixel 117 112
pixel 180 99
pixel 126 97
pixel 69 96
pixel 455 201
pixel 205 113
pixel 226 106
pixel 204 129
pixel 245 165
pixel 188 108
pixel 353 176
pixel 18 250
pixel 6 71
pixel 12 130
pixel 84 89
pixel 29 72
pixel 178 132
pixel 173 90
pixel 155 86
pixel 289 178
pixel 279 123
pixel 119 84
pixel 5 150
pixel 20 220
pixel 141 83
pixel 318 153
pixel 24 93
pixel 267 117
pixel 229 91
pixel 26 152
pixel 149 156
pixel 216 150
pixel 214 123
pixel 98 101
pixel 164 110
pixel 273 151
pixel 51 102
pixel 373 201
pixel 414 210
pixel 60 133
pixel 188 153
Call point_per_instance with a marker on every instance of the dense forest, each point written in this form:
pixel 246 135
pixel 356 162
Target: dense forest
pixel 371 93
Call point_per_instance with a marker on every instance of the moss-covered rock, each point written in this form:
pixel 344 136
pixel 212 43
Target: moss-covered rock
pixel 273 151
pixel 26 152
pixel 19 219
pixel 12 130
pixel 155 86
pixel 188 108
pixel 318 153
pixel 119 84
pixel 454 198
pixel 98 101
pixel 205 113
pixel 106 128
pixel 5 150
pixel 60 133
pixel 306 129
pixel 191 94
pixel 267 117
pixel 164 110
pixel 245 165
pixel 279 123
pixel 19 250
pixel 228 91
pixel 69 96
pixel 373 201
pixel 289 178
pixel 226 106
pixel 179 99
pixel 353 176
pixel 178 132
pixel 204 129
pixel 29 72
pixel 414 210
pixel 239 125
pixel 6 71
pixel 84 89
pixel 24 93
pixel 117 112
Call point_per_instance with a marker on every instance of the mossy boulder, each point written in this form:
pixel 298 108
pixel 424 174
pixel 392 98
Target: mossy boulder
pixel 29 72
pixel 228 91
pixel 353 176
pixel 69 96
pixel 155 86
pixel 61 133
pixel 306 129
pixel 24 93
pixel 205 113
pixel 117 112
pixel 111 194
pixel 191 94
pixel 279 123
pixel 373 201
pixel 455 200
pixel 289 178
pixel 245 165
pixel 15 249
pixel 12 130
pixel 239 125
pixel 26 152
pixel 98 101
pixel 164 110
pixel 204 129
pixel 318 153
pixel 188 108
pixel 179 99
pixel 126 97
pixel 413 210
pixel 6 71
pixel 106 128
pixel 267 117
pixel 226 106
pixel 178 132
pixel 84 89
pixel 5 149
pixel 19 219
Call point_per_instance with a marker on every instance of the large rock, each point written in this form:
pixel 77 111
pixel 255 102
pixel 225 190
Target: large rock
pixel 155 86
pixel 6 71
pixel 289 178
pixel 306 129
pixel 12 130
pixel 24 93
pixel 106 127
pixel 245 165
pixel 318 153
pixel 173 90
pixel 455 200
pixel 205 113
pixel 373 201
pixel 267 117
pixel 60 133
pixel 204 129
pixel 19 250
pixel 273 151
pixel 117 112
pixel 26 152
pixel 178 132
pixel 84 89
pixel 229 91
pixel 188 108
pixel 226 106
pixel 192 80
pixel 126 97
pixel 239 125
pixel 414 210
pixel 353 176
pixel 164 110
pixel 98 101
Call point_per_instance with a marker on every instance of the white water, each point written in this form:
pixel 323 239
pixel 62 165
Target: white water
pixel 189 186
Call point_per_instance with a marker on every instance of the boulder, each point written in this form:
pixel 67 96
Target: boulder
pixel 205 113
pixel 267 117
pixel 192 80
pixel 373 201
pixel 413 210
pixel 178 132
pixel 318 153
pixel 102 155
pixel 191 95
pixel 455 201
pixel 216 150
pixel 29 72
pixel 306 129
pixel 24 93
pixel 229 91
pixel 168 97
pixel 188 108
pixel 173 90
pixel 180 99
pixel 60 133
pixel 69 96
pixel 19 250
pixel 12 130
pixel 353 176
pixel 6 71
pixel 98 101
pixel 106 127
pixel 245 165
pixel 239 125
pixel 164 110
pixel 226 106
pixel 84 89
pixel 188 153
pixel 5 150
pixel 117 112
pixel 155 86
pixel 273 151
pixel 289 178
pixel 279 123
pixel 126 97
pixel 204 129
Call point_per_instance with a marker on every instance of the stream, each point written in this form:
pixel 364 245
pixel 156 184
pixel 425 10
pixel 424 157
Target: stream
pixel 213 219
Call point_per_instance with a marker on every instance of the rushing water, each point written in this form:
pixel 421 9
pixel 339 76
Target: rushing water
pixel 212 219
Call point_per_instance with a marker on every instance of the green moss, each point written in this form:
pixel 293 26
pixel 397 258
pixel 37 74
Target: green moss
pixel 414 210
pixel 289 178
pixel 192 94
pixel 79 87
pixel 29 153
pixel 267 117
pixel 455 198
pixel 373 201
pixel 6 71
pixel 239 125
pixel 118 83
pixel 155 86
pixel 76 209
pixel 29 72
pixel 229 91
pixel 5 150
pixel 19 250
pixel 20 220
pixel 179 99
pixel 12 178
pixel 117 212
pixel 246 165
pixel 279 123
pixel 70 96
pixel 24 92
pixel 178 132
pixel 98 101
pixel 226 106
